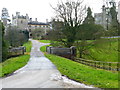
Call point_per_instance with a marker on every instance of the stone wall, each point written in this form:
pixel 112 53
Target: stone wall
pixel 64 52
pixel 17 51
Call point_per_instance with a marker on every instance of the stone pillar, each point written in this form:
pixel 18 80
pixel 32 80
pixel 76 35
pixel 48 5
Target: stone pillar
pixel 50 49
pixel 73 50
pixel 36 19
pixel 47 48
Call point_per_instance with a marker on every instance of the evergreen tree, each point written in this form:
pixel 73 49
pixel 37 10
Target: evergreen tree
pixel 114 21
pixel 89 19
pixel 4 45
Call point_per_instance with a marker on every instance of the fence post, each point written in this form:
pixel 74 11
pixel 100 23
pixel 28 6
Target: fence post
pixel 95 64
pixel 82 61
pixel 90 63
pixel 98 64
pixel 118 66
pixel 109 66
pixel 103 65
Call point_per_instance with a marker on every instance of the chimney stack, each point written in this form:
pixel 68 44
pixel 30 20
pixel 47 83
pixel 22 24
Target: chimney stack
pixel 18 13
pixel 46 20
pixel 30 19
pixel 36 19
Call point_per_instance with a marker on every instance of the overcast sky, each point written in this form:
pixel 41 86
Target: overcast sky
pixel 41 8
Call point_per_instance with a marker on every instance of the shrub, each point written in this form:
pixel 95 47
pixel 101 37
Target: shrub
pixel 16 37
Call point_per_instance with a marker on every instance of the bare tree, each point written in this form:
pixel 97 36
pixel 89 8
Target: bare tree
pixel 72 14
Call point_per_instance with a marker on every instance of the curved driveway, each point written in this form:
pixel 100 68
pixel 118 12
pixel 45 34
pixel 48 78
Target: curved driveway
pixel 39 73
pixel 36 74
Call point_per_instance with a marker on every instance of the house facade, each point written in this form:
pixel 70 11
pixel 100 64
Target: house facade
pixel 23 22
pixel 103 18
pixel 26 23
pixel 20 21
pixel 98 18
pixel 34 25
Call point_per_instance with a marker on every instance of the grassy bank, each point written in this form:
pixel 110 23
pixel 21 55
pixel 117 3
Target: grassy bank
pixel 45 41
pixel 28 46
pixel 43 48
pixel 104 50
pixel 13 64
pixel 84 74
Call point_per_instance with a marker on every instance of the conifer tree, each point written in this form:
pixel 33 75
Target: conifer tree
pixel 114 22
pixel 89 19
pixel 4 45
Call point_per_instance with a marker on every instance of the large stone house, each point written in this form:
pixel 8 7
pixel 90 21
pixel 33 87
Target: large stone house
pixel 26 23
pixel 23 22
pixel 20 21
pixel 34 25
pixel 103 18
pixel 98 18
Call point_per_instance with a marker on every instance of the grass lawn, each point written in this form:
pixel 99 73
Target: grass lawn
pixel 13 64
pixel 84 74
pixel 104 50
pixel 43 48
pixel 28 46
pixel 45 41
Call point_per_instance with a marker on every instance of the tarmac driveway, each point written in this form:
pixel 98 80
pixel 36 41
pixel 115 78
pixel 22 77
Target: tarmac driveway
pixel 39 73
pixel 36 74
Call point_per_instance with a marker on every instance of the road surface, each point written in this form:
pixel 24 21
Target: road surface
pixel 39 73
